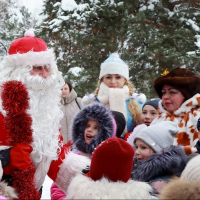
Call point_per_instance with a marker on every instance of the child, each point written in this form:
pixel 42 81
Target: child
pixel 155 157
pixel 109 174
pixel 90 127
pixel 149 111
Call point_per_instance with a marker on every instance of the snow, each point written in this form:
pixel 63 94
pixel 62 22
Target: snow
pixel 68 5
pixel 194 26
pixel 75 70
pixel 46 188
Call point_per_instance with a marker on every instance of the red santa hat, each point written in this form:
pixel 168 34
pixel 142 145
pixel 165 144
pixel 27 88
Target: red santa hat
pixel 29 50
pixel 112 159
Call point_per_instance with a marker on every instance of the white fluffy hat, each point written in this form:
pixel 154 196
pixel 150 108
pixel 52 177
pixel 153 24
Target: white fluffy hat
pixel 114 65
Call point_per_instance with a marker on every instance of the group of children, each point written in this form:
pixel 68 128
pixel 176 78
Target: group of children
pixel 138 168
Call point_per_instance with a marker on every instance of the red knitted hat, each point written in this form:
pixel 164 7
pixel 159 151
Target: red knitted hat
pixel 29 50
pixel 112 159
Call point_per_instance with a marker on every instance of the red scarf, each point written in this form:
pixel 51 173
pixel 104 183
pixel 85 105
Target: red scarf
pixel 15 102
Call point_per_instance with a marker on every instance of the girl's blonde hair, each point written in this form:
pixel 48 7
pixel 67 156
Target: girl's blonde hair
pixel 133 106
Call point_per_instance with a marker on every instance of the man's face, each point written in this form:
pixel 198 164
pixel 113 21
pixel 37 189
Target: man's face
pixel 42 71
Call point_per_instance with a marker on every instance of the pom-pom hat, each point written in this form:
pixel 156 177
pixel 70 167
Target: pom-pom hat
pixel 112 159
pixel 114 65
pixel 181 79
pixel 29 50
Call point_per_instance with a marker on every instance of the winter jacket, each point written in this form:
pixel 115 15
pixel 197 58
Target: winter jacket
pixel 71 105
pixel 170 161
pixel 186 117
pixel 83 187
pixel 160 167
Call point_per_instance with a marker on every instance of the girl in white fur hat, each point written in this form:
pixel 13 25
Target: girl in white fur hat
pixel 115 91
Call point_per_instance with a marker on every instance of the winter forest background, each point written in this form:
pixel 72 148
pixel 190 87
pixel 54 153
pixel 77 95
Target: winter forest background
pixel 150 35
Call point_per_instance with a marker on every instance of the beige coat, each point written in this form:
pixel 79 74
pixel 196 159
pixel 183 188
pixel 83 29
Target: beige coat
pixel 69 109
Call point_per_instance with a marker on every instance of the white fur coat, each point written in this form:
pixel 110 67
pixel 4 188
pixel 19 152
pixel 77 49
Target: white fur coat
pixel 83 187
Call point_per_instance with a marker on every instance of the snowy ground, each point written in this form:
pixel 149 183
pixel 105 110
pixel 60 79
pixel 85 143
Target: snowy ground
pixel 46 188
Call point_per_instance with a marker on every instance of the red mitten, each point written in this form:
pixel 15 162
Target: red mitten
pixel 19 158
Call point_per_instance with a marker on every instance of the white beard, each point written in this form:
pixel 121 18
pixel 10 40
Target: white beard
pixel 45 95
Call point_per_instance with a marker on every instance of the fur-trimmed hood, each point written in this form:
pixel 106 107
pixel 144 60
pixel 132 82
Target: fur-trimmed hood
pixel 107 127
pixel 82 187
pixel 170 161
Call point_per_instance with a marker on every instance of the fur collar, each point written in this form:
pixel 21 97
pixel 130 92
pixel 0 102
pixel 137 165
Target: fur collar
pixel 69 98
pixel 82 187
pixel 184 108
pixel 170 161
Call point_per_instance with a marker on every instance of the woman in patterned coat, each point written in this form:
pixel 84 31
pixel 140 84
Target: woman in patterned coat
pixel 180 94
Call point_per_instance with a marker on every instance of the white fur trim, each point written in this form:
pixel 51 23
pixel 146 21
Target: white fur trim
pixel 72 165
pixel 83 187
pixel 29 33
pixel 7 191
pixel 114 68
pixel 30 58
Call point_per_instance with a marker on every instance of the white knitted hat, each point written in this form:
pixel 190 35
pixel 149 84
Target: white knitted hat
pixel 192 169
pixel 114 65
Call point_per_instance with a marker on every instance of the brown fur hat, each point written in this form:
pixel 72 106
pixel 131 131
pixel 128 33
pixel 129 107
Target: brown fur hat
pixel 181 189
pixel 181 79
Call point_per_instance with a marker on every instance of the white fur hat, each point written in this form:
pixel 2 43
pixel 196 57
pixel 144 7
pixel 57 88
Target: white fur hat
pixel 114 65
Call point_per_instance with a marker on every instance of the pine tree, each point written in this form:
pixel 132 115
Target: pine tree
pixel 12 26
pixel 147 35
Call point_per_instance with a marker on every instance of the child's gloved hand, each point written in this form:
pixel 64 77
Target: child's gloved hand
pixel 19 158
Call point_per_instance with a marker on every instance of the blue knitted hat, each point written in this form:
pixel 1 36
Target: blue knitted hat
pixel 152 102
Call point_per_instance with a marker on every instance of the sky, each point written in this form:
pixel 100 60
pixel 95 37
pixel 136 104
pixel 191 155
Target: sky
pixel 34 6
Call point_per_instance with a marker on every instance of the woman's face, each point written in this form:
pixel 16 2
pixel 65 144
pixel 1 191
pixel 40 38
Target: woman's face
pixel 172 98
pixel 149 113
pixel 114 80
pixel 65 90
